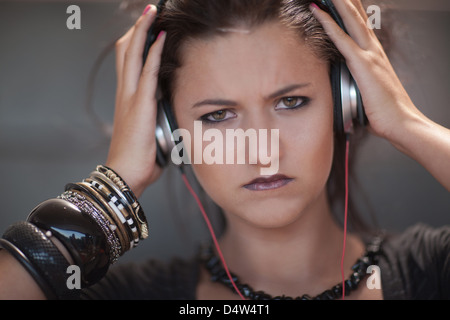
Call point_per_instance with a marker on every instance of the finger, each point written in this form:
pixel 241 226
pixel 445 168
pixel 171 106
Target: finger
pixel 343 42
pixel 132 66
pixel 148 82
pixel 364 14
pixel 355 22
pixel 358 5
pixel 120 49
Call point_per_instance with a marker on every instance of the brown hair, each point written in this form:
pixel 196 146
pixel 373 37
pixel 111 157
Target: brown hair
pixel 184 20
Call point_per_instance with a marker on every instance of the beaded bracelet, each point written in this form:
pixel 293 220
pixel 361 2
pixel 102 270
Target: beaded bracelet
pixel 121 231
pixel 87 205
pixel 117 201
pixel 116 214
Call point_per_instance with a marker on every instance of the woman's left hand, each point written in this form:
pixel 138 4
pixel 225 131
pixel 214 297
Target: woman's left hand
pixel 391 113
pixel 385 100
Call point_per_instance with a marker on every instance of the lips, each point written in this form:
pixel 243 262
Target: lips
pixel 268 183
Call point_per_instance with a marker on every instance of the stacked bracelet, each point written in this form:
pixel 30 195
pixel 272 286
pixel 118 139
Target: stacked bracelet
pixel 97 200
pixel 97 220
pixel 81 235
pixel 116 202
pixel 119 209
pixel 106 224
pixel 125 190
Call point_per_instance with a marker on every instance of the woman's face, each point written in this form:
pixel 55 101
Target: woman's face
pixel 263 78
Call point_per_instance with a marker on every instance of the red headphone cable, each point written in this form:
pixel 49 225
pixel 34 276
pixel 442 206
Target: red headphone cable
pixel 216 244
pixel 211 231
pixel 347 151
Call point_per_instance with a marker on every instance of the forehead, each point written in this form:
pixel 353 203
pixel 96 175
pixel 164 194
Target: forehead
pixel 242 61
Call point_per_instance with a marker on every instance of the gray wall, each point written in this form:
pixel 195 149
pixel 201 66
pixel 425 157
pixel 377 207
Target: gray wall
pixel 48 139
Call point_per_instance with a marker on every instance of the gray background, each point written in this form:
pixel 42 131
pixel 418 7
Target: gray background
pixel 47 138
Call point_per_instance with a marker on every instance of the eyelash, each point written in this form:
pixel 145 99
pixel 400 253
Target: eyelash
pixel 304 102
pixel 205 119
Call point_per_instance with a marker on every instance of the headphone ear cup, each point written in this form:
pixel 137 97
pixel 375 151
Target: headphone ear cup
pixel 348 104
pixel 352 109
pixel 335 78
pixel 360 111
pixel 165 125
pixel 161 159
pixel 167 107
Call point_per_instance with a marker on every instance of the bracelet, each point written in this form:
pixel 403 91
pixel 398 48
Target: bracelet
pixel 104 221
pixel 121 222
pixel 113 189
pixel 98 199
pixel 79 233
pixel 117 205
pixel 97 220
pixel 126 191
pixel 40 257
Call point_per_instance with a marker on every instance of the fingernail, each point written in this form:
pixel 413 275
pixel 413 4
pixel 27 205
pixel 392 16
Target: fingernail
pixel 160 34
pixel 147 9
pixel 315 6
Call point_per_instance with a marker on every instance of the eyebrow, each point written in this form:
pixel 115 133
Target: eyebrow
pixel 230 103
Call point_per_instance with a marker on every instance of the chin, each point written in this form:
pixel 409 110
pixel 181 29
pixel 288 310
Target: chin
pixel 273 214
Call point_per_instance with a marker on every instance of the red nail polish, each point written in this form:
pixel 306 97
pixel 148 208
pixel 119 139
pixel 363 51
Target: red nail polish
pixel 147 8
pixel 160 34
pixel 315 6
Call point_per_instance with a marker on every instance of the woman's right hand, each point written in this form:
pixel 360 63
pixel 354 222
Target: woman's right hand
pixel 132 152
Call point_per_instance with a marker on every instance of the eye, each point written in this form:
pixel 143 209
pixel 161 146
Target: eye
pixel 291 102
pixel 218 116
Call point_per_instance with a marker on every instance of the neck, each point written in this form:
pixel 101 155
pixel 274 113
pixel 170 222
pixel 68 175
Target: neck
pixel 305 254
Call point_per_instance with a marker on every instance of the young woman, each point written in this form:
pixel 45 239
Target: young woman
pixel 241 64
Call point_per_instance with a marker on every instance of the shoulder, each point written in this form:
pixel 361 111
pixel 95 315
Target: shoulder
pixel 152 279
pixel 415 264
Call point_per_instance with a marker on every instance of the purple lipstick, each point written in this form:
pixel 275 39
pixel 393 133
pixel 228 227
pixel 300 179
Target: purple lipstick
pixel 268 183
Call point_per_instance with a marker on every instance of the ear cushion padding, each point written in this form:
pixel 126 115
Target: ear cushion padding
pixel 166 124
pixel 361 113
pixel 335 78
pixel 166 106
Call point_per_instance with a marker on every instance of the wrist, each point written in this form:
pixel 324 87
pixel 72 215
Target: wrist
pixel 130 177
pixel 409 132
pixel 428 143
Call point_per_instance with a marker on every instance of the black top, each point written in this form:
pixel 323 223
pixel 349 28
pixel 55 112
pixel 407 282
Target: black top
pixel 414 264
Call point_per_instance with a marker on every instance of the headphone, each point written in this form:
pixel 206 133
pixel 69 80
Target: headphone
pixel 348 107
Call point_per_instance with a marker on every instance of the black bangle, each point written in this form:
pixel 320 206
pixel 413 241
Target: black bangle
pixel 19 255
pixel 40 257
pixel 87 204
pixel 79 233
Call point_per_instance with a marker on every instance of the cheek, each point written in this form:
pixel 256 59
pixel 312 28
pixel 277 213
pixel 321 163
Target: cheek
pixel 219 182
pixel 321 157
pixel 309 146
pixel 216 179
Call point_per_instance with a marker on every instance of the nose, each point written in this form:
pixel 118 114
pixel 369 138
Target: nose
pixel 264 152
